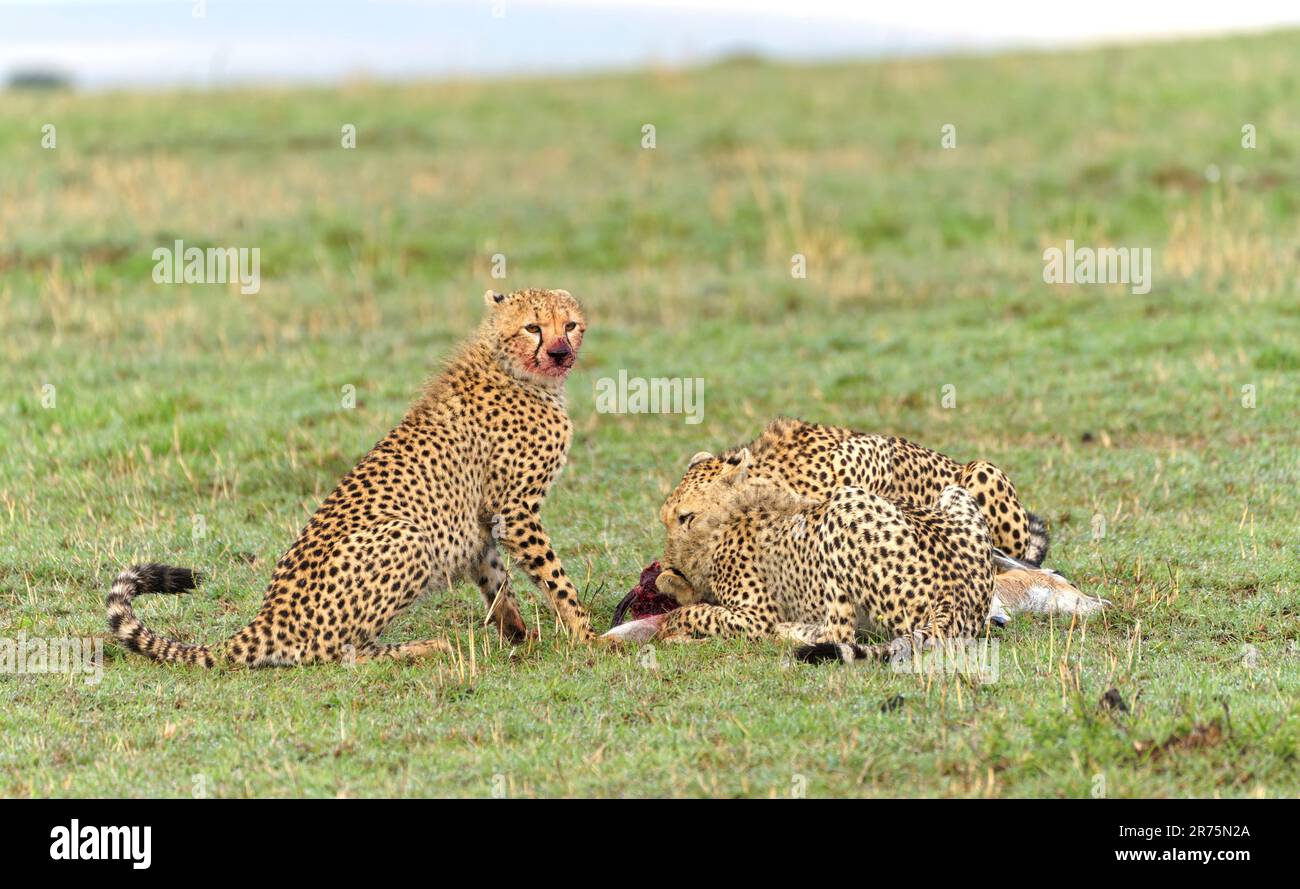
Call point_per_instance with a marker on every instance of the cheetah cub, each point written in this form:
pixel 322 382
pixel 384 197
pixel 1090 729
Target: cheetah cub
pixel 757 560
pixel 465 471
pixel 811 460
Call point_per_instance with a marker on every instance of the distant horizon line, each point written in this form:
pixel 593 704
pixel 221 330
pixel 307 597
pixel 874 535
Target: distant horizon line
pixel 937 49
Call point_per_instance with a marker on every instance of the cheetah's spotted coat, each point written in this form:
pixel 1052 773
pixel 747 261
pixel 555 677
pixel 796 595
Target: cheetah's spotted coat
pixel 465 471
pixel 753 559
pixel 812 460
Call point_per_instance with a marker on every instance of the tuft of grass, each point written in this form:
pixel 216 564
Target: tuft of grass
pixel 196 425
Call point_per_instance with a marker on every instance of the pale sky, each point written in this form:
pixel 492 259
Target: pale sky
pixel 162 42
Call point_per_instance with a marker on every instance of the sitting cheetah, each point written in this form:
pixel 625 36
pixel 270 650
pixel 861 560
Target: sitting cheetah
pixel 812 460
pixel 756 560
pixel 466 469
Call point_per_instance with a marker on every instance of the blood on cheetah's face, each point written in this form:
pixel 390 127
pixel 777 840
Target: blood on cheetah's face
pixel 537 332
pixel 688 513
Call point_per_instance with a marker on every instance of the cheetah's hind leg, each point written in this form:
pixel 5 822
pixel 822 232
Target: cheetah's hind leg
pixel 405 555
pixel 804 633
pixel 402 651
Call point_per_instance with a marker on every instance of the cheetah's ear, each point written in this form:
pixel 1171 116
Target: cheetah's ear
pixel 699 458
pixel 492 298
pixel 737 467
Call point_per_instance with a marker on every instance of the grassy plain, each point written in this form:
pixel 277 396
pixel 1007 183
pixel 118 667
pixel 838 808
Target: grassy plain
pixel 199 426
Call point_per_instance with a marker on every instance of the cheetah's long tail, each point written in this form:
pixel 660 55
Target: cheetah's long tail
pixel 1036 548
pixel 898 651
pixel 846 652
pixel 138 580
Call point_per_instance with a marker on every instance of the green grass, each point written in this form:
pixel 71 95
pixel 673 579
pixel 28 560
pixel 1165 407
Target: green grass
pixel 924 270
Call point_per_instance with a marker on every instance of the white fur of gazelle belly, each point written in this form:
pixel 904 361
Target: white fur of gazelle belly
pixel 1041 592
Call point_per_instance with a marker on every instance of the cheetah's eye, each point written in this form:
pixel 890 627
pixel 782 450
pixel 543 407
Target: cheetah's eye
pixel 685 518
pixel 533 328
pixel 572 325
